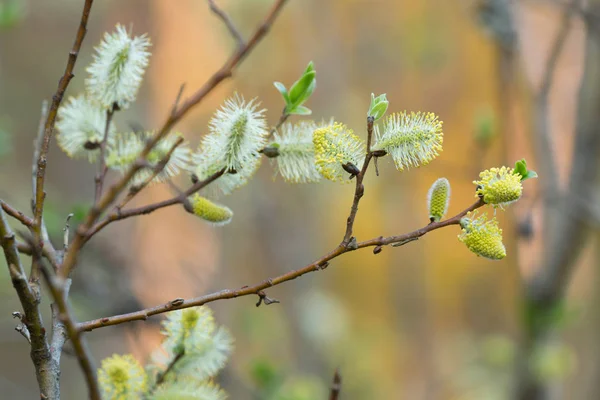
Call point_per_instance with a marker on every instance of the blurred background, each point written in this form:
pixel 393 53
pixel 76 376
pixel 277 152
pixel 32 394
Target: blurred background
pixel 429 320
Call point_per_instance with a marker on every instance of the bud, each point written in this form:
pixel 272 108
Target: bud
pixel 499 186
pixel 378 107
pixel 336 145
pixel 481 236
pixel 438 199
pixel 411 139
pixel 209 211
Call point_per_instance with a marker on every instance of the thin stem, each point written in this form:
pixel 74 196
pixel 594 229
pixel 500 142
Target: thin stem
pixel 228 23
pixel 359 188
pixel 163 375
pixel 16 214
pixel 51 119
pixel 336 386
pixel 119 214
pixel 134 190
pixel 65 316
pixel 102 169
pixel 254 289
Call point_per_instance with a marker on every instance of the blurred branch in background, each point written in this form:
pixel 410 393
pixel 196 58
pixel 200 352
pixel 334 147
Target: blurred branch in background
pixel 568 226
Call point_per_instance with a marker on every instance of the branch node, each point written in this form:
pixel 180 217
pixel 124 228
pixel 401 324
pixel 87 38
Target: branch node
pixel 352 244
pixel 323 265
pixel 177 302
pixel 22 329
pixel 263 298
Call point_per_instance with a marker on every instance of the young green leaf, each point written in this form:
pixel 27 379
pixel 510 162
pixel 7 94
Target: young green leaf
pixel 521 169
pixel 282 89
pixel 300 110
pixel 378 107
pixel 302 89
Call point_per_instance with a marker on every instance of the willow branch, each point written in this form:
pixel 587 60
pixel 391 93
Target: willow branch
pixel 51 118
pixel 134 190
pixel 359 190
pixel 228 23
pixel 16 214
pixel 176 115
pixel 101 175
pixel 546 159
pixel 336 386
pixel 119 214
pixel 68 323
pixel 40 352
pixel 317 265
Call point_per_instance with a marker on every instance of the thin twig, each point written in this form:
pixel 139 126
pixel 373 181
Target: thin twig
pixel 40 352
pixel 163 375
pixel 134 190
pixel 37 144
pixel 359 188
pixel 101 175
pixel 546 159
pixel 336 386
pixel 64 315
pixel 282 118
pixel 51 119
pixel 176 115
pixel 228 23
pixel 254 289
pixel 66 232
pixel 177 99
pixel 118 214
pixel 16 214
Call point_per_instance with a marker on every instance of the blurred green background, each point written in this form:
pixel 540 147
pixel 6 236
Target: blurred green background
pixel 426 321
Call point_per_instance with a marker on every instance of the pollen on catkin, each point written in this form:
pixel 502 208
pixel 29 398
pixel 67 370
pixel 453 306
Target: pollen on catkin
pixel 438 199
pixel 209 211
pixel 336 145
pixel 81 126
pixel 411 139
pixel 499 186
pixel 118 68
pixel 122 378
pixel 481 236
pixel 296 152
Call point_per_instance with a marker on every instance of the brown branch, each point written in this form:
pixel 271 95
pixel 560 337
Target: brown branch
pixel 51 119
pixel 119 214
pixel 163 375
pixel 65 321
pixel 336 386
pixel 102 169
pixel 45 370
pixel 134 190
pixel 176 115
pixel 228 23
pixel 545 156
pixel 359 190
pixel 16 214
pixel 254 289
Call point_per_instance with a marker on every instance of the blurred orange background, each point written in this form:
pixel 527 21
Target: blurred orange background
pixel 429 320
